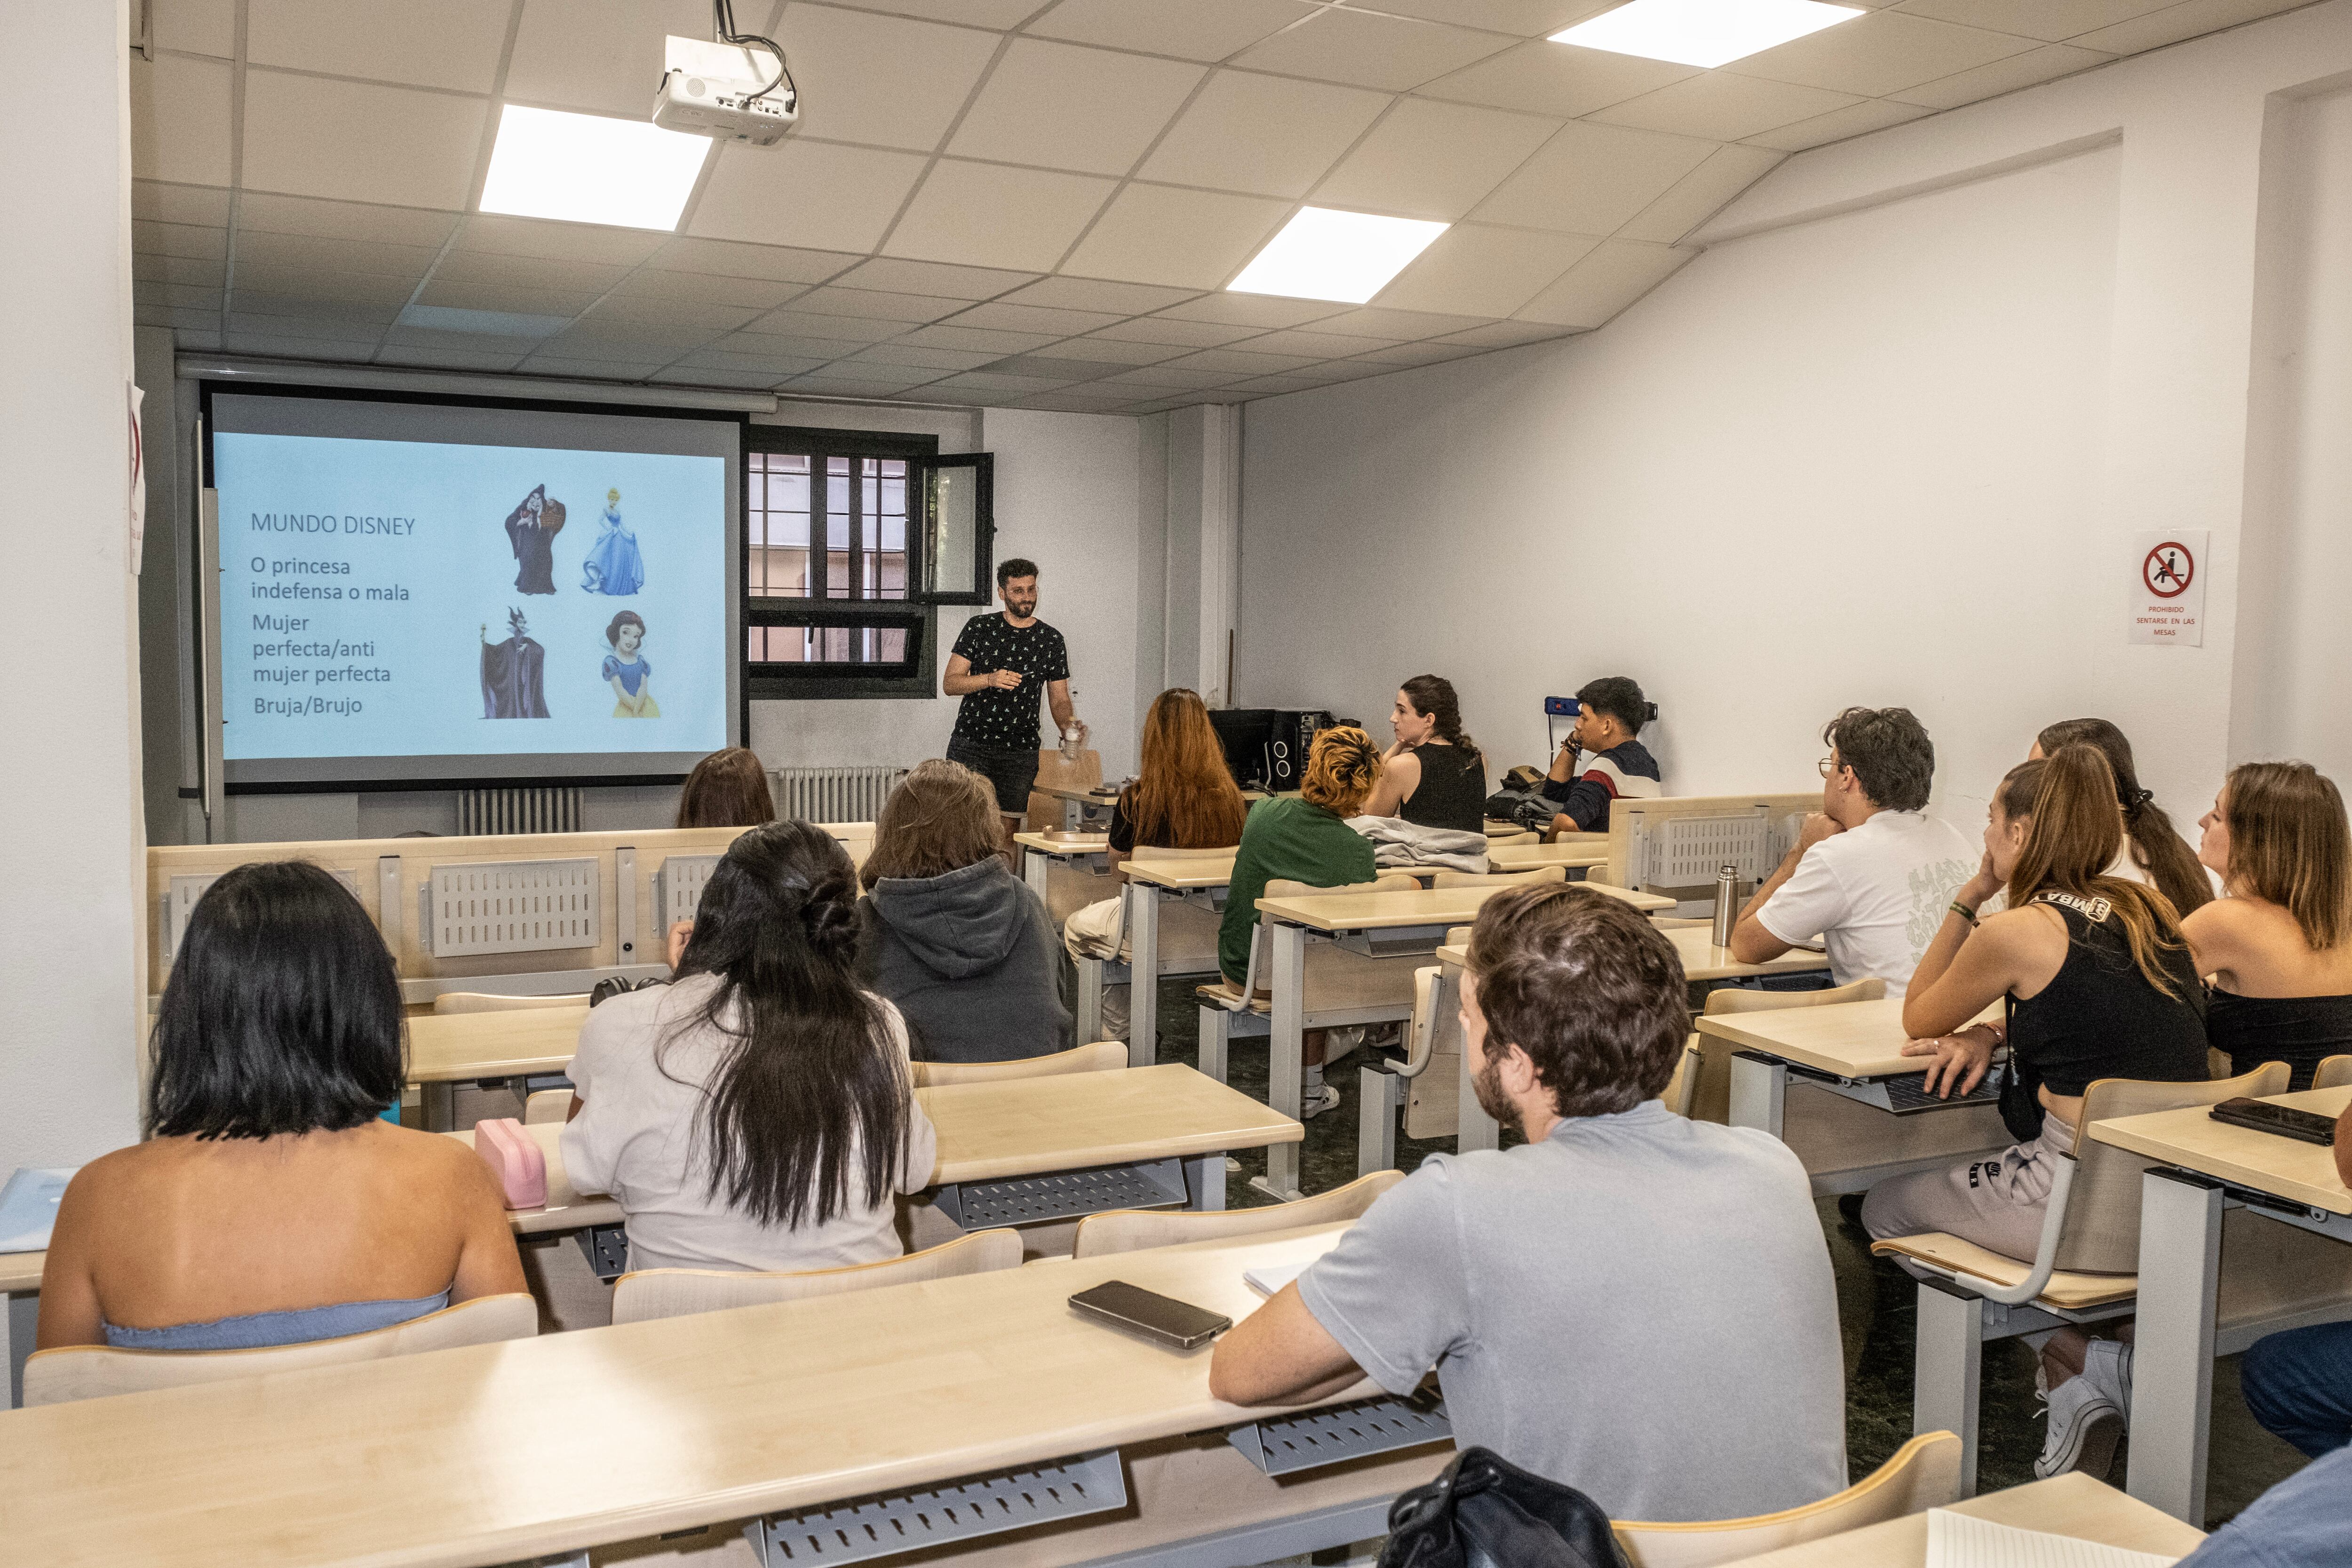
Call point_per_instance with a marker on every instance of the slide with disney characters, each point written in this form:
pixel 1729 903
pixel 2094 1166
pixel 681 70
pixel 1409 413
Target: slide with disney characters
pixel 416 592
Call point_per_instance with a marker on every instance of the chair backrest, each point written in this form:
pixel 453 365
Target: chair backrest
pixel 94 1372
pixel 1056 771
pixel 2333 1072
pixel 1130 1230
pixel 1734 999
pixel 1458 936
pixel 1498 878
pixel 491 1002
pixel 548 1105
pixel 1103 1056
pixel 1683 1087
pixel 2099 1232
pixel 1924 1473
pixel 677 1293
pixel 1283 887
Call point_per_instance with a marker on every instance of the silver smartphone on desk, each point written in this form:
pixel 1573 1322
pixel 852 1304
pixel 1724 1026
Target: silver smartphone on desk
pixel 1155 1316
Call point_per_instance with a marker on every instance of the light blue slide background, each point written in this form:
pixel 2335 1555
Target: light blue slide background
pixel 460 571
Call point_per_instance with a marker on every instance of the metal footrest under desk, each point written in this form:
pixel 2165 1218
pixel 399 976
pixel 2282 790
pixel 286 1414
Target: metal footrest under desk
pixel 1282 1445
pixel 1064 1195
pixel 881 1526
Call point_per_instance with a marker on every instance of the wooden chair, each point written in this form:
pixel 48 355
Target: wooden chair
pixel 1499 878
pixel 1131 1230
pixel 677 1293
pixel 1710 1095
pixel 2333 1072
pixel 95 1371
pixel 549 1105
pixel 1382 1083
pixel 1682 1086
pixel 1924 1473
pixel 494 1002
pixel 1342 987
pixel 1103 1056
pixel 1057 771
pixel 2085 1268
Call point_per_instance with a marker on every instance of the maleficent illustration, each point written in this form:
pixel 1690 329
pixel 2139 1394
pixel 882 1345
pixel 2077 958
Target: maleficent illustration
pixel 532 529
pixel 513 672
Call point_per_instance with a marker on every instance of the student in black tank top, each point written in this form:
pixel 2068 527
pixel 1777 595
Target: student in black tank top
pixel 1434 776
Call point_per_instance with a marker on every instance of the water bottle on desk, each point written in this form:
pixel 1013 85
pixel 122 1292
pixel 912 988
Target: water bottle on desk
pixel 1727 904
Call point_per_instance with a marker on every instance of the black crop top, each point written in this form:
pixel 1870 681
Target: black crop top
pixel 1451 793
pixel 2099 1018
pixel 2301 1031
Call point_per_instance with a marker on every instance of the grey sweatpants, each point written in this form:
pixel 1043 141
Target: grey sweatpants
pixel 1996 1203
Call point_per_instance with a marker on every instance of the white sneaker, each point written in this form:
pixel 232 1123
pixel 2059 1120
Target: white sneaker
pixel 1317 1101
pixel 2107 1364
pixel 2084 1425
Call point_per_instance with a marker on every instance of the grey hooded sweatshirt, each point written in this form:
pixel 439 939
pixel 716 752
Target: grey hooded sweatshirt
pixel 970 958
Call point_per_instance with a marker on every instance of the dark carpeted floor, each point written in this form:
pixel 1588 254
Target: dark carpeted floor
pixel 1875 1303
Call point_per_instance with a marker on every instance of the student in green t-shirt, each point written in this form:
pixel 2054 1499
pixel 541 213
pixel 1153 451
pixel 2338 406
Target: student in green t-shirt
pixel 1306 839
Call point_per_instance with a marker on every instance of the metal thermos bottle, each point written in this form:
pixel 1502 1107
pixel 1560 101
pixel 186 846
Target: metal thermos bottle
pixel 1727 904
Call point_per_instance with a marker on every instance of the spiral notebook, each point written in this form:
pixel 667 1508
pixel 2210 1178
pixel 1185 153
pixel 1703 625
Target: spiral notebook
pixel 1964 1541
pixel 28 1208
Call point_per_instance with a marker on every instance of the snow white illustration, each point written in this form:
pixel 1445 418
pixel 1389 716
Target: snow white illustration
pixel 630 671
pixel 532 529
pixel 614 565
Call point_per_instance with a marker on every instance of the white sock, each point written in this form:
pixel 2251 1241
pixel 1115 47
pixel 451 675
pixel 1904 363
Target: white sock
pixel 1315 1080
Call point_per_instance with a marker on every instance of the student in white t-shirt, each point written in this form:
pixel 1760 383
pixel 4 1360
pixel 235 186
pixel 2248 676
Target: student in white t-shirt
pixel 1871 873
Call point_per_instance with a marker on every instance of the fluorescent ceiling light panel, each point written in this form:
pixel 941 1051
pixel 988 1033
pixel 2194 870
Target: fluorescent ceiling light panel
pixel 1326 254
pixel 1703 32
pixel 590 168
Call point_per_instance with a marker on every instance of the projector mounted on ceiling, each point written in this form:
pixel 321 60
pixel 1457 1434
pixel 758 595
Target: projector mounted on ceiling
pixel 724 90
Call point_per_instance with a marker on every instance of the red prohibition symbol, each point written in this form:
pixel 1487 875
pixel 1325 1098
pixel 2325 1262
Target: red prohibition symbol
pixel 2169 570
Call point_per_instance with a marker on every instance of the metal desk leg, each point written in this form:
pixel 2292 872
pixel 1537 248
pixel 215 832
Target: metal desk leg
pixel 1473 1128
pixel 1036 868
pixel 1948 1383
pixel 438 1102
pixel 1143 974
pixel 1285 1051
pixel 1759 1087
pixel 1204 1181
pixel 1088 1024
pixel 2172 1355
pixel 1074 816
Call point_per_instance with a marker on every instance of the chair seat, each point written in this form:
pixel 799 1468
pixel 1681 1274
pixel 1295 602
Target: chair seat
pixel 2067 1292
pixel 1226 995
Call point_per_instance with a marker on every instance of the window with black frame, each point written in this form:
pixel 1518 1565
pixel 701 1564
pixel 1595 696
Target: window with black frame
pixel 850 540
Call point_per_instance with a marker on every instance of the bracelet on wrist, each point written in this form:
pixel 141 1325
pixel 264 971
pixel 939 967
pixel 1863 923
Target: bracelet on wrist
pixel 1963 910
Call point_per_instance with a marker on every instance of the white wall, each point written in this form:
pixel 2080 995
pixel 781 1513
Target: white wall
pixel 72 862
pixel 1882 443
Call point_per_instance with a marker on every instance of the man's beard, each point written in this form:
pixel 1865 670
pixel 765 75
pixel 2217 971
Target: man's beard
pixel 1488 1087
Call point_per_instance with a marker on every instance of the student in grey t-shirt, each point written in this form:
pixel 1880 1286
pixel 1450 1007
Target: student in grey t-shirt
pixel 1632 1303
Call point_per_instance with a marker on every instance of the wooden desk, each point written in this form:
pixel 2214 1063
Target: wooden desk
pixel 1078 804
pixel 1847 1143
pixel 2182 1205
pixel 1147 883
pixel 1067 871
pixel 1702 959
pixel 497 1453
pixel 2071 1505
pixel 448 1048
pixel 1536 856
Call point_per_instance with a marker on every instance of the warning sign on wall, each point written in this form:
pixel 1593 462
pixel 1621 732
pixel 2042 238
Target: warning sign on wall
pixel 2168 587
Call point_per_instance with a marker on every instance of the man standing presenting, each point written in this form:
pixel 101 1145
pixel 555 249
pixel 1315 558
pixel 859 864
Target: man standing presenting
pixel 997 665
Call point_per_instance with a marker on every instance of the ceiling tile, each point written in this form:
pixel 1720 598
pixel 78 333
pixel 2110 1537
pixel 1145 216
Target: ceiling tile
pixel 2047 20
pixel 309 282
pixel 1158 234
pixel 1854 119
pixel 1506 334
pixel 1170 376
pixel 1034 319
pixel 948 336
pixel 203 204
pixel 776 366
pixel 1051 364
pixel 326 255
pixel 321 327
pixel 873 304
pixel 1064 107
pixel 424 43
pixel 1431 160
pixel 1109 350
pixel 261 211
pixel 726 258
pixel 1308 342
pixel 701 375
pixel 178 240
pixel 997 14
pixel 2157 28
pixel 1525 19
pixel 938 279
pixel 770 345
pixel 990 381
pixel 1155 329
pixel 1408 354
pixel 532 302
pixel 1194 30
pixel 1275 386
pixel 1701 193
pixel 355 141
pixel 882 80
pixel 210 272
pixel 1879 53
pixel 1591 179
pixel 796 322
pixel 703 288
pixel 1545 77
pixel 983 214
pixel 1097 294
pixel 1270 135
pixel 603 56
pixel 1474 270
pixel 548 240
pixel 1372 322
pixel 917 356
pixel 1615 275
pixel 1723 108
pixel 1263 311
pixel 197 27
pixel 1393 53
pixel 183 322
pixel 2045 64
pixel 180 118
pixel 806 193
pixel 280 346
pixel 863 385
pixel 682 314
pixel 1239 361
pixel 527 271
pixel 183 296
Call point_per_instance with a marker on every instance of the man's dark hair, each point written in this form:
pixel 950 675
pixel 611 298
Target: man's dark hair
pixel 1619 697
pixel 282 1014
pixel 1889 751
pixel 1588 987
pixel 1018 566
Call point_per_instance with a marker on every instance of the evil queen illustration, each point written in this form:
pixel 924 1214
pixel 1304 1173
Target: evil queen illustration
pixel 532 529
pixel 514 673
pixel 613 565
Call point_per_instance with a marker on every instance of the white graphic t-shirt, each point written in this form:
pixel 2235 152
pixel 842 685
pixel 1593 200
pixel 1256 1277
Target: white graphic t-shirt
pixel 1874 895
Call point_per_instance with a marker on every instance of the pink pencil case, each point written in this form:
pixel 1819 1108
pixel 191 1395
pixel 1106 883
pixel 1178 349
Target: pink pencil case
pixel 514 1158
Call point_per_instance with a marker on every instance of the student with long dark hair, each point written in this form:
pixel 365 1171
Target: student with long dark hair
pixel 726 789
pixel 1433 775
pixel 758 1114
pixel 2152 852
pixel 270 1204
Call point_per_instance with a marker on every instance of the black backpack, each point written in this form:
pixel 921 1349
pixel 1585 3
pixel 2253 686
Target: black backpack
pixel 1484 1511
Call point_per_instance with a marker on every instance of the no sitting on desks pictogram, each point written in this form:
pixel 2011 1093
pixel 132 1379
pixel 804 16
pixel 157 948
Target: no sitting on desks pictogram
pixel 2168 569
pixel 2167 591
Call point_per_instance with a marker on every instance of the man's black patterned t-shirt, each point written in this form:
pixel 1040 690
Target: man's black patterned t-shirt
pixel 990 716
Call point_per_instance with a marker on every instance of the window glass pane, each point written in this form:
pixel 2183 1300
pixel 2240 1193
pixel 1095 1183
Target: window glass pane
pixel 787 572
pixel 890 644
pixel 956 494
pixel 890 576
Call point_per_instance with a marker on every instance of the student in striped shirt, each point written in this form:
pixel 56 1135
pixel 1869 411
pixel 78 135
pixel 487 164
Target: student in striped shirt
pixel 1611 712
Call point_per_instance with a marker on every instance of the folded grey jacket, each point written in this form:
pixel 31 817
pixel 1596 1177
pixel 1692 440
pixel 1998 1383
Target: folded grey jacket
pixel 1396 842
pixel 971 959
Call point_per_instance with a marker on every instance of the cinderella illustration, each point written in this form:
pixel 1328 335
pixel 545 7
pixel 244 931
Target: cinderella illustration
pixel 613 565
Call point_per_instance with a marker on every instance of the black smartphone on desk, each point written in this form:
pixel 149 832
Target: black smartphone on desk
pixel 1150 1314
pixel 2308 1126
